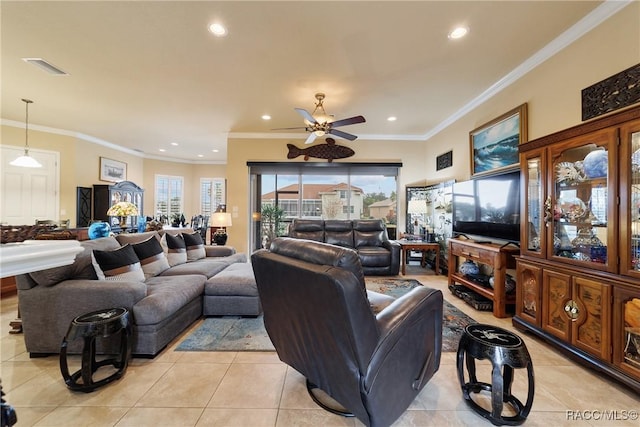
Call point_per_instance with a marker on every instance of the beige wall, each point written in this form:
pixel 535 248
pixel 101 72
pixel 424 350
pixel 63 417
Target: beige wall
pixel 85 172
pixel 239 151
pixel 552 91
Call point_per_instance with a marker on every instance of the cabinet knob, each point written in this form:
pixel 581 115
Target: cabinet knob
pixel 572 310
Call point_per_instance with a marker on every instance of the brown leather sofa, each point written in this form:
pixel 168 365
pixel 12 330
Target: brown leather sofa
pixel 378 255
pixel 319 319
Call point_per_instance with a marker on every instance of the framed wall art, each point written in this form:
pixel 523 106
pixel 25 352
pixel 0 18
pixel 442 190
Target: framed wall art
pixel 494 145
pixel 444 160
pixel 112 170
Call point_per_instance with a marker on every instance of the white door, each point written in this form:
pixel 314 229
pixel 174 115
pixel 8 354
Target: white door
pixel 28 194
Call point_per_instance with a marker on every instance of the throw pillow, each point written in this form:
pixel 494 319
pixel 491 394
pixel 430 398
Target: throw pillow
pixel 119 265
pixel 195 246
pixel 176 249
pixel 151 256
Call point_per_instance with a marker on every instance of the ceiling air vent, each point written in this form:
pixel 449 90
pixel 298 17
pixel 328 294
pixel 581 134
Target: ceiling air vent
pixel 46 66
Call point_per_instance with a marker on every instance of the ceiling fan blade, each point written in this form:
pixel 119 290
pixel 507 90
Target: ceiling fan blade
pixel 299 127
pixel 307 116
pixel 341 134
pixel 349 121
pixel 310 138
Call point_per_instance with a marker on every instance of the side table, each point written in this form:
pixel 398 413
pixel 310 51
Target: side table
pixel 416 245
pixel 506 351
pixel 101 323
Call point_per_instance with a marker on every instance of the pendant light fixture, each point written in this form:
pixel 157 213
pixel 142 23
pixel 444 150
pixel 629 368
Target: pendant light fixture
pixel 26 161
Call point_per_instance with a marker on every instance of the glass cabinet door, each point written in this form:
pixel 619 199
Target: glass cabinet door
pixel 533 230
pixel 630 199
pixel 579 209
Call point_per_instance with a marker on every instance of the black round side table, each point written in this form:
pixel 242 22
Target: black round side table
pixel 506 351
pixel 101 323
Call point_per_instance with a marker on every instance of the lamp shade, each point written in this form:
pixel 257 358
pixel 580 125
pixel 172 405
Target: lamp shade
pixel 221 219
pixel 417 207
pixel 26 161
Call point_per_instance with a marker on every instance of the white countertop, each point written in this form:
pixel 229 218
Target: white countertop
pixel 36 255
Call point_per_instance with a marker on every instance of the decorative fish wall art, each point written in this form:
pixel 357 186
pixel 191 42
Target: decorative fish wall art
pixel 328 151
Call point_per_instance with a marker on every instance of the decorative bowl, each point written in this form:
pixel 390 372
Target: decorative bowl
pixel 99 229
pixel 509 283
pixel 595 164
pixel 469 267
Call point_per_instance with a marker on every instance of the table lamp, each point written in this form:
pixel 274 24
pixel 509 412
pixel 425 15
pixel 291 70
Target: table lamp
pixel 220 220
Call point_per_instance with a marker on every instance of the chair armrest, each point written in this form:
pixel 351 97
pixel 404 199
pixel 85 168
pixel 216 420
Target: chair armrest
pixel 219 251
pixel 410 336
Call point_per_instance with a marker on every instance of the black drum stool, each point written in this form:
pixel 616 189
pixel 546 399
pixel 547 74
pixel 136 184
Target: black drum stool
pixel 102 323
pixel 506 351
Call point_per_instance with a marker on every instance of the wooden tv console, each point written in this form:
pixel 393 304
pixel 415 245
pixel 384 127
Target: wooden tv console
pixel 499 257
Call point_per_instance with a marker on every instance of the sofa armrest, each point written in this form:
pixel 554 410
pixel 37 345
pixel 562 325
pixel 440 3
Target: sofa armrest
pixel 410 337
pixel 219 251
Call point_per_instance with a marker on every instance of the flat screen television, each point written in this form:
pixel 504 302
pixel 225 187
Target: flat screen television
pixel 488 207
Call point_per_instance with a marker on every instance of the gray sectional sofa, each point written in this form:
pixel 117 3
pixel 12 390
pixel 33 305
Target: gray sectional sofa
pixel 163 302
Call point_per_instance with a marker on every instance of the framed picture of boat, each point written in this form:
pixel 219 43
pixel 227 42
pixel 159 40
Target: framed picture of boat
pixel 494 145
pixel 112 170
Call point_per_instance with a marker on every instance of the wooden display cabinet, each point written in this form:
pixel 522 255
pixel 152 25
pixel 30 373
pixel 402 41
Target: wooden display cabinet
pixel 579 271
pixel 498 257
pixel 104 196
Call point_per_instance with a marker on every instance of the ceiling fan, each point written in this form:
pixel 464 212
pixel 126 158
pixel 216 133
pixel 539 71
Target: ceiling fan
pixel 320 123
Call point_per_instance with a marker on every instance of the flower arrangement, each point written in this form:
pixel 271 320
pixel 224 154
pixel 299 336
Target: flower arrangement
pixel 123 209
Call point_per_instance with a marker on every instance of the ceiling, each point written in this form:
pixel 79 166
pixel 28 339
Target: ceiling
pixel 143 75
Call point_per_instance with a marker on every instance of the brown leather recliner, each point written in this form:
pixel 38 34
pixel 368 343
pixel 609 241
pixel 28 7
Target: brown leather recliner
pixel 320 321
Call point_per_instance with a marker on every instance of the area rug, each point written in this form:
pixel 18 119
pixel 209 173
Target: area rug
pixel 233 333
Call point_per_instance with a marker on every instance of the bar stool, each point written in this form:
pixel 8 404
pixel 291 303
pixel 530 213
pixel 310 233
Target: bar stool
pixel 101 323
pixel 506 351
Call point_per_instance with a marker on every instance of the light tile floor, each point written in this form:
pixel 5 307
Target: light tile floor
pixel 256 389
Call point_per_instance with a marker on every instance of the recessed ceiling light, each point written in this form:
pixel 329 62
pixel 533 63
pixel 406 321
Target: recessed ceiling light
pixel 458 32
pixel 392 118
pixel 200 155
pixel 266 117
pixel 218 29
pixel 215 150
pixel 161 150
pixel 175 144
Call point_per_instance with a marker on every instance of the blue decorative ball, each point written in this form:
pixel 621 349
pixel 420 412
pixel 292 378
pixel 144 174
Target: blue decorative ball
pixel 99 229
pixel 595 164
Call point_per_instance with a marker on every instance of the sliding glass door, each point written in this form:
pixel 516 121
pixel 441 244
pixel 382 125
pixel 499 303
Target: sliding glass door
pixel 282 192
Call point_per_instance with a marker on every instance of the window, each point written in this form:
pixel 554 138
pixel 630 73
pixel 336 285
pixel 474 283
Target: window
pixel 212 195
pixel 169 197
pixel 320 191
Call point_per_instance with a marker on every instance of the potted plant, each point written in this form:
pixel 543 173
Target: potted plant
pixel 271 217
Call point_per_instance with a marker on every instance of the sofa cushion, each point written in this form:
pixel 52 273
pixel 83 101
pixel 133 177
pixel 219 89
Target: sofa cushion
pixel 235 280
pixel 131 238
pixel 374 256
pixel 121 264
pixel 310 229
pixel 195 246
pixel 152 257
pixel 175 249
pixel 166 296
pixel 52 276
pixel 202 267
pixel 83 265
pixel 368 238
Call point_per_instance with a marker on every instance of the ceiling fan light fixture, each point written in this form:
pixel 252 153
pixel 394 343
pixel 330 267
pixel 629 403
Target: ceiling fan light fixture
pixel 26 161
